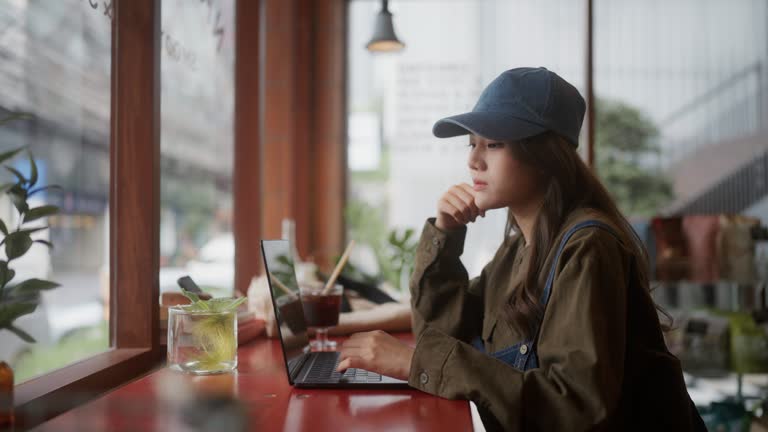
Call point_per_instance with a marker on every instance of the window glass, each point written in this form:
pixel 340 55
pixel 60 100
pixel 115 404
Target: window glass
pixel 397 169
pixel 55 66
pixel 679 101
pixel 197 108
pixel 680 136
pixel 680 129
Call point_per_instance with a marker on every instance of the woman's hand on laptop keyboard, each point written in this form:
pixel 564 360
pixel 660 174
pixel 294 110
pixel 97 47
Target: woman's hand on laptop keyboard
pixel 376 351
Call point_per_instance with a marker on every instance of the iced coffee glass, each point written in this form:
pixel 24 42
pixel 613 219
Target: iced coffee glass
pixel 321 311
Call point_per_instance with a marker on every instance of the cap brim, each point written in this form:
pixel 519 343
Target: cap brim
pixel 490 125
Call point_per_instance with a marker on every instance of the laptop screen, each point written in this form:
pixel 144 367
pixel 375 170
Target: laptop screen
pixel 284 288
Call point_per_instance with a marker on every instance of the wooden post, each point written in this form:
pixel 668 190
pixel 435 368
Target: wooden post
pixel 330 185
pixel 135 182
pixel 246 205
pixel 304 148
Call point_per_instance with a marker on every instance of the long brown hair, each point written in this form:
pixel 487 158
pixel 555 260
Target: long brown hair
pixel 568 185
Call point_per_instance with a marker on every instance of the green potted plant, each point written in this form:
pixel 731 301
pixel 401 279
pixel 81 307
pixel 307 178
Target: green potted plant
pixel 402 253
pixel 394 249
pixel 19 298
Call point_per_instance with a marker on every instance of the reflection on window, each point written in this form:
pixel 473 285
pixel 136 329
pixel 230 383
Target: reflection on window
pixel 56 66
pixel 197 109
pixel 680 98
pixel 680 135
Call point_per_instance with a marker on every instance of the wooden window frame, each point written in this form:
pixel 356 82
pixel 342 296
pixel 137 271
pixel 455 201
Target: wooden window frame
pixel 134 205
pixel 315 159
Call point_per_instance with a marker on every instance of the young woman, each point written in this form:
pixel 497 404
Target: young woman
pixel 559 332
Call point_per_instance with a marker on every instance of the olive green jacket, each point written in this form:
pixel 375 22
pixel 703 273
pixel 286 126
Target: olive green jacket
pixel 600 347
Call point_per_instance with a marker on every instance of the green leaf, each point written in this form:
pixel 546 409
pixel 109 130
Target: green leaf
pixel 214 305
pixel 10 310
pixel 45 242
pixel 19 197
pixel 15 116
pixel 33 230
pixel 225 304
pixel 31 286
pixel 9 154
pixel 17 173
pixel 17 244
pixel 392 237
pixel 26 337
pixel 285 260
pixel 3 228
pixel 5 273
pixel 237 302
pixel 42 211
pixel 8 276
pixel 33 170
pixel 190 295
pixel 30 297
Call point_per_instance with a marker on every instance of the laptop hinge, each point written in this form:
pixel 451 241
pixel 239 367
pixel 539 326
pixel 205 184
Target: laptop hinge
pixel 299 366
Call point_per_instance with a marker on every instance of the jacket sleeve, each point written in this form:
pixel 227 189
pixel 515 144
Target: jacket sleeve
pixel 580 349
pixel 442 297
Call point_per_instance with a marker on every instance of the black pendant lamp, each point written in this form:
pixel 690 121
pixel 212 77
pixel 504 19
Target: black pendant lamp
pixel 384 38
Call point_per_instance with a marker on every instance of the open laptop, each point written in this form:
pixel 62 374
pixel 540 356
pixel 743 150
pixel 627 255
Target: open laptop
pixel 305 368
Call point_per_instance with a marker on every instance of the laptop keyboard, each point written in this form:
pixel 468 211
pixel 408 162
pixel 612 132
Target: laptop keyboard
pixel 324 371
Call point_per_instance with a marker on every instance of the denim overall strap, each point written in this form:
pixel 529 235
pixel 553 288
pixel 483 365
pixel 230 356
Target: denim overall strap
pixel 522 355
pixel 530 359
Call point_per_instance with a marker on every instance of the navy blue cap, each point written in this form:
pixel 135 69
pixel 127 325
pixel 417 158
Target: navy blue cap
pixel 520 103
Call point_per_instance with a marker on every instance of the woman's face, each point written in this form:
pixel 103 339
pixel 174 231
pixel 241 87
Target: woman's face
pixel 500 179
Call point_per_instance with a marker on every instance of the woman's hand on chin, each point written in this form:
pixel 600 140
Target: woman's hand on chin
pixel 376 351
pixel 457 207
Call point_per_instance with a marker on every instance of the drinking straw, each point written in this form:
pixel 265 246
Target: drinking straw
pixel 337 270
pixel 280 285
